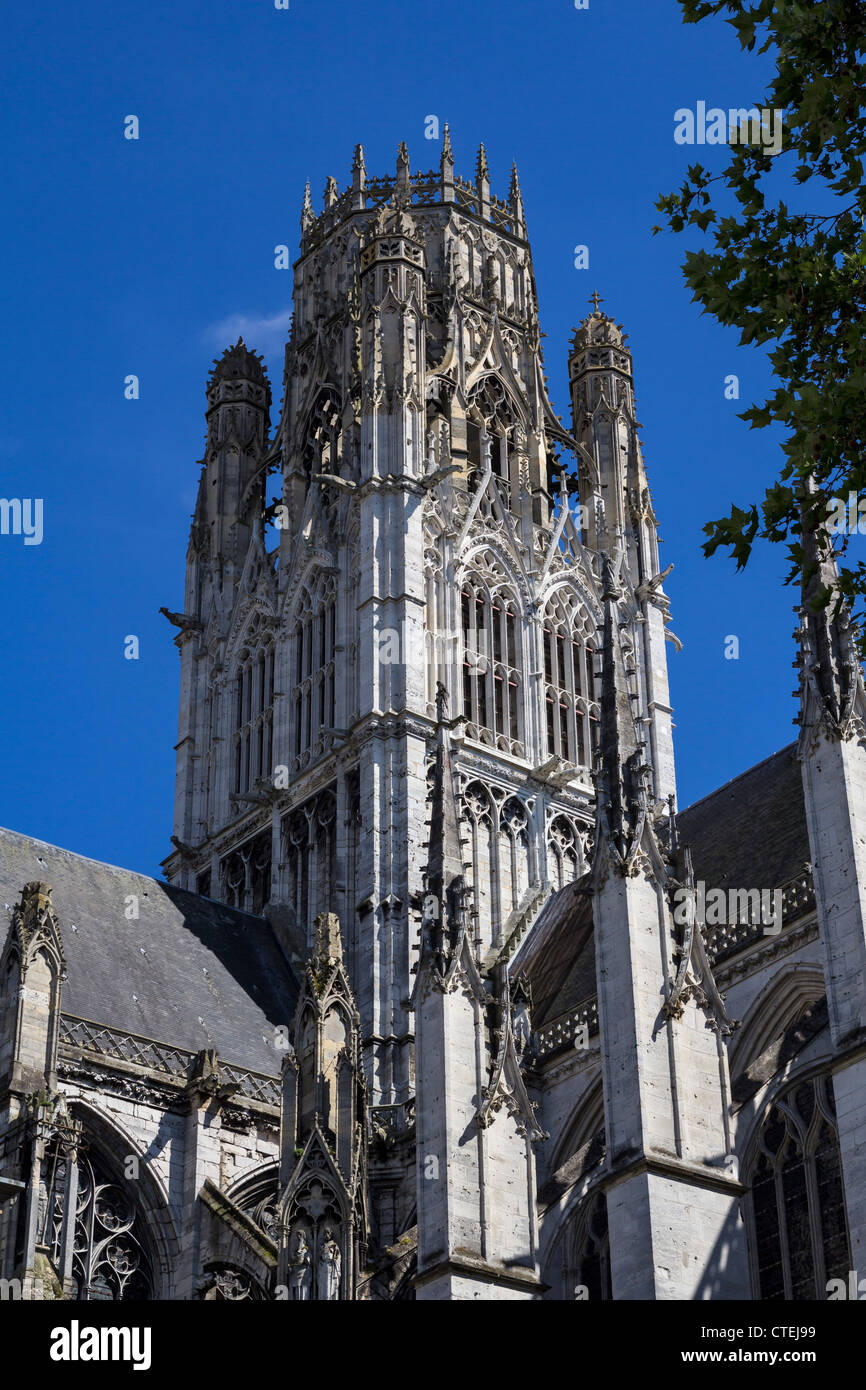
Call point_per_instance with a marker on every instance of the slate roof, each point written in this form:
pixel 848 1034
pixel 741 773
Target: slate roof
pixel 749 833
pixel 190 972
pixel 559 956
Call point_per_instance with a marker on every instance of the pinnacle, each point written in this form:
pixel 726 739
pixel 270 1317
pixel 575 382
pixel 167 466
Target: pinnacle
pixel 446 142
pixel 481 168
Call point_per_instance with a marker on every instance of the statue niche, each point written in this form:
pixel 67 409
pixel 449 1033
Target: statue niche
pixel 322 1207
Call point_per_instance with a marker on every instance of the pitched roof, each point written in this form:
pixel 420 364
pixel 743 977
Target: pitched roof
pixel 190 972
pixel 559 955
pixel 750 832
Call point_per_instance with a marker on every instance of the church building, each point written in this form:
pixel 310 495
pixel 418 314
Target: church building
pixel 442 995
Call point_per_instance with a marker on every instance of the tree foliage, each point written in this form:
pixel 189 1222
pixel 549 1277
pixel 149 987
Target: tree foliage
pixel 791 278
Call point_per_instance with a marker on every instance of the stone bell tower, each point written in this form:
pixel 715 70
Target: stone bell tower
pixel 408 525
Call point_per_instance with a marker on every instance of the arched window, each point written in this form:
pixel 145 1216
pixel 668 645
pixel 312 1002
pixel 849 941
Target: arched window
pixel 591 1259
pixel 493 698
pixel 564 852
pixel 313 671
pixel 797 1226
pixel 499 841
pixel 246 874
pixel 111 1256
pixel 571 713
pixel 310 850
pixel 323 446
pixel 490 421
pixel 513 856
pixel 253 701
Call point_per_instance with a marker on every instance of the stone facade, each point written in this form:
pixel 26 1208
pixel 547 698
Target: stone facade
pixel 417 1012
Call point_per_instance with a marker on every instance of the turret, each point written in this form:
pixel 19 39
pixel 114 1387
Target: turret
pixel 617 512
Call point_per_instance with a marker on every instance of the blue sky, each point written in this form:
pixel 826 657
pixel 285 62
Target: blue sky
pixel 147 256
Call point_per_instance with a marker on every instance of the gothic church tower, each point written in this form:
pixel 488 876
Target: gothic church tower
pixel 425 533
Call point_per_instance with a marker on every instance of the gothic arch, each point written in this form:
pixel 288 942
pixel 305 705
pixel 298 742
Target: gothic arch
pixel 112 1146
pixel 494 657
pixel 257 1192
pixel 782 1000
pixel 320 419
pixel 569 642
pixel 311 654
pixel 250 686
pixel 587 1120
pixel 501 840
pixel 252 611
pixel 565 847
pixel 795 1203
pixel 309 847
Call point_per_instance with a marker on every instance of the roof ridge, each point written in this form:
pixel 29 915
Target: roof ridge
pixel 740 775
pixel 131 873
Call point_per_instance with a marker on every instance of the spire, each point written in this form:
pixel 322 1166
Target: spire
pixel 359 178
pixel 516 201
pixel 446 167
pixel 482 182
pixel 831 675
pixel 306 208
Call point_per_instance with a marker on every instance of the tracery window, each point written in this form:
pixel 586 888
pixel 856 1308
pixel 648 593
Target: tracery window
pixel 110 1257
pixel 313 670
pixel 499 839
pixel 322 449
pixel 490 421
pixel 246 874
pixel 493 698
pixel 310 850
pixel 797 1225
pixel 564 852
pixel 571 713
pixel 254 700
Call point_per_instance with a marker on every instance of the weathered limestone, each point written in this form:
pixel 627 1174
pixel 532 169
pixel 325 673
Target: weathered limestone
pixel 833 753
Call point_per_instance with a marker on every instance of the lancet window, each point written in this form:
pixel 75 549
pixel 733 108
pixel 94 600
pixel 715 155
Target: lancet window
pixel 253 702
pixel 571 712
pixel 493 693
pixel 309 851
pixel 313 670
pixel 322 449
pixel 490 421
pixel 797 1225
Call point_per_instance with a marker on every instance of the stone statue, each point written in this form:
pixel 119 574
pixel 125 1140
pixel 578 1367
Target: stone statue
pixel 329 1268
pixel 300 1268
